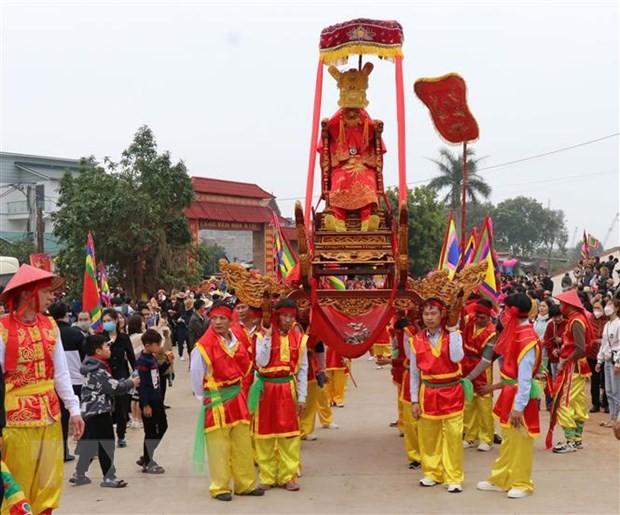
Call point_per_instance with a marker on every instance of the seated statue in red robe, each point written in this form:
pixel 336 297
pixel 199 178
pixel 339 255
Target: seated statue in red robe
pixel 353 155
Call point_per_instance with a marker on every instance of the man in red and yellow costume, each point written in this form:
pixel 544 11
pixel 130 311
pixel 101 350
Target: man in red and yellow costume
pixel 278 398
pixel 478 342
pixel 219 366
pixel 36 374
pixel 517 406
pixel 572 372
pixel 437 396
pixel 401 359
pixel 352 153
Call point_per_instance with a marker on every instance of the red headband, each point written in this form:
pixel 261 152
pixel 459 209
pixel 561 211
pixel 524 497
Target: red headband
pixel 433 303
pixel 285 311
pixel 222 311
pixel 514 311
pixel 482 309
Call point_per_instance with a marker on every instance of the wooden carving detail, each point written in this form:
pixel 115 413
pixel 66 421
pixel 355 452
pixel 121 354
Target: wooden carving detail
pixel 352 307
pixel 250 287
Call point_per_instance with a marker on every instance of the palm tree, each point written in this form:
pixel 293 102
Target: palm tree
pixel 451 178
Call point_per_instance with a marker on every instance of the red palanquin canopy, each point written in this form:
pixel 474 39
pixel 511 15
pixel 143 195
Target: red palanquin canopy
pixel 361 36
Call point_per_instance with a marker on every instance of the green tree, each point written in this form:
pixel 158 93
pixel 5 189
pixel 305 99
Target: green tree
pixel 523 225
pixel 427 223
pixel 209 255
pixel 18 249
pixel 450 179
pixel 134 210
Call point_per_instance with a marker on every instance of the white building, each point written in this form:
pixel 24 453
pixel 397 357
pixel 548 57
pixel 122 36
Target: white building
pixel 26 183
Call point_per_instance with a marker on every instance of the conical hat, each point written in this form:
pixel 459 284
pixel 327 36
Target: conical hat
pixel 571 298
pixel 28 275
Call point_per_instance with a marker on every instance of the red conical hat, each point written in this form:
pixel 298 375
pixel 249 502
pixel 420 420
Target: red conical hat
pixel 571 298
pixel 28 275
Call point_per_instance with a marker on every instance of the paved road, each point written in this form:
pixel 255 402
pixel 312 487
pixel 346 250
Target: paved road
pixel 360 468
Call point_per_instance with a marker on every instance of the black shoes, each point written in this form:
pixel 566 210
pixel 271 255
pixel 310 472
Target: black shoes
pixel 223 497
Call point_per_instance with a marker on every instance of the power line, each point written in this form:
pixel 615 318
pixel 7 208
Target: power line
pixel 507 163
pixel 549 153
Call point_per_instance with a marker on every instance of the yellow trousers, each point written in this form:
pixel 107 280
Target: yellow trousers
pixel 400 424
pixel 441 448
pixel 478 423
pixel 34 455
pixel 513 467
pixel 573 416
pixel 337 385
pixel 229 450
pixel 307 420
pixel 326 416
pixel 382 350
pixel 410 432
pixel 278 459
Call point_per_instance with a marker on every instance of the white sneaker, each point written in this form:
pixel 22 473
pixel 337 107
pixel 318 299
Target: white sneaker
pixel 310 438
pixel 379 367
pixel 331 425
pixel 485 486
pixel 469 444
pixel 517 493
pixel 484 447
pixel 564 448
pixel 455 488
pixel 427 481
pixel 182 358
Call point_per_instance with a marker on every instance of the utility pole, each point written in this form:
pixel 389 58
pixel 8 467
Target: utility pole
pixel 40 231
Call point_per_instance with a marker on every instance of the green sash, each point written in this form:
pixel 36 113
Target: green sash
pixel 216 398
pixel 258 386
pixel 535 391
pixel 468 387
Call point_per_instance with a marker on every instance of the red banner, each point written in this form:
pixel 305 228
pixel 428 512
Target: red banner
pixel 42 261
pixel 350 336
pixel 446 100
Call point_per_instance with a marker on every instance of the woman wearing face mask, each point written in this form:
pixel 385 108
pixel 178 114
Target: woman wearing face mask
pixel 609 357
pixel 121 357
pixel 597 380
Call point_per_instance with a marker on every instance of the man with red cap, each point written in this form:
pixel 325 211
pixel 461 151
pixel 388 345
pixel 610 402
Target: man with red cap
pixel 278 397
pixel 36 374
pixel 219 366
pixel 437 395
pixel 478 341
pixel 569 407
pixel 517 406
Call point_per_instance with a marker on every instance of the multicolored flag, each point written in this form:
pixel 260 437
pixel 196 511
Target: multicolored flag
pixel 104 288
pixel 482 254
pixel 90 293
pixel 593 242
pixel 468 252
pixel 585 250
pixel 336 282
pixel 450 255
pixel 283 255
pixel 15 501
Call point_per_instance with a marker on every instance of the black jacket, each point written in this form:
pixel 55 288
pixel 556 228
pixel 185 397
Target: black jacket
pixel 122 356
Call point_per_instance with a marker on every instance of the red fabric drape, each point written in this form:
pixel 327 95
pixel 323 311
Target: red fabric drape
pixel 316 116
pixel 400 121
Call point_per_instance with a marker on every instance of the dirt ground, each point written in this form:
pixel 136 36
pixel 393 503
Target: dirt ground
pixel 359 468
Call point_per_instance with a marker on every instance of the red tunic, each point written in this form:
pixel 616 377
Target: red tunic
pixel 231 367
pixel 525 339
pixel 333 360
pixel 474 341
pixel 30 394
pixel 276 415
pixel 437 369
pixel 243 335
pixel 568 343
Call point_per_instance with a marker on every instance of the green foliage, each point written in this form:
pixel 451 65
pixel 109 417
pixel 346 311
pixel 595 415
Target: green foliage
pixel 450 179
pixel 19 249
pixel 134 210
pixel 427 221
pixel 208 257
pixel 527 228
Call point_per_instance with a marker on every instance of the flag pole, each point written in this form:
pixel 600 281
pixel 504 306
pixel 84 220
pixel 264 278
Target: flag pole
pixel 464 195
